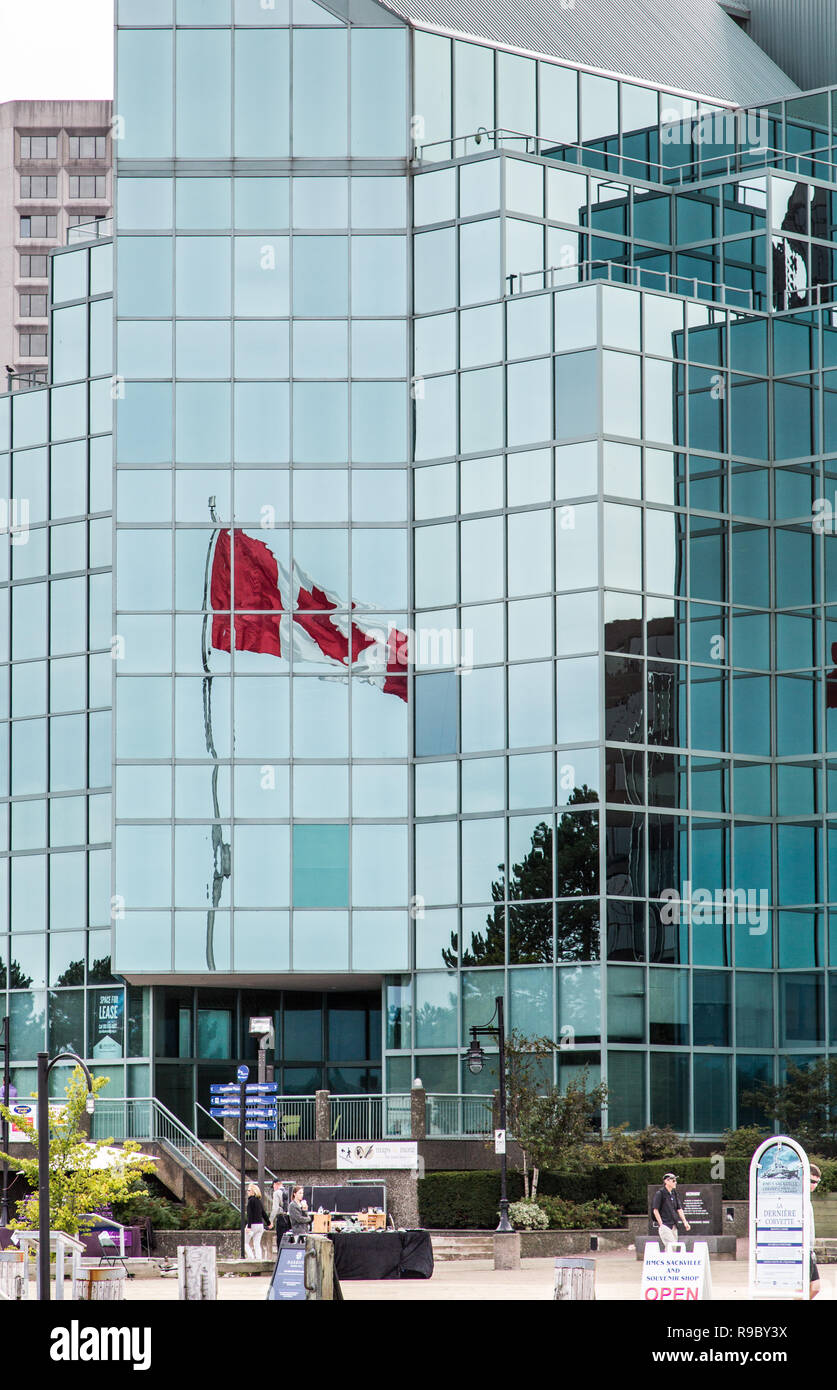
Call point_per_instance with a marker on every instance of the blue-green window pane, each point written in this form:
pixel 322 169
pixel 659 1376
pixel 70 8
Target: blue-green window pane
pixel 143 204
pixel 203 349
pixel 144 279
pixel 261 349
pixel 203 203
pixel 479 261
pixel 261 277
pixel 320 92
pixel 144 423
pixel 321 941
pixel 203 276
pixel 144 94
pixel 260 857
pixel 321 865
pixel 203 422
pixel 262 106
pixel 626 1089
pixel 379 422
pixel 69 343
pixel 436 714
pixel 321 422
pixel 101 338
pixel 69 412
pixel 801 1010
pixel 261 423
pixel 577 394
pixel 321 276
pixel 261 203
pixel 379 275
pixel 203 65
pixel 379 91
pixel 713 1094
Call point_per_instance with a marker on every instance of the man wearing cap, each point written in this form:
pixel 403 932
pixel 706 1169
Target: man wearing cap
pixel 668 1211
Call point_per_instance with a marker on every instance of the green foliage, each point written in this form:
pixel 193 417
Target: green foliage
pixel 469 1201
pixel 76 1188
pixel 528 1216
pixel 618 1147
pixel 805 1105
pixel 216 1215
pixel 144 1206
pixel 463 1201
pixel 580 1216
pixel 165 1215
pixel 530 884
pixel 743 1142
pixel 554 1128
pixel 661 1141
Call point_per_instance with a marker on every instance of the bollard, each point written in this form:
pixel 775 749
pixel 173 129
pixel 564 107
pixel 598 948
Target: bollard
pixel 197 1273
pixel 319 1268
pixel 575 1279
pixel 100 1285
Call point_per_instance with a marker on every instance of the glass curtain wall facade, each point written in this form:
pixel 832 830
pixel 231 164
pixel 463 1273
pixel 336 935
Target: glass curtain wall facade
pixel 473 561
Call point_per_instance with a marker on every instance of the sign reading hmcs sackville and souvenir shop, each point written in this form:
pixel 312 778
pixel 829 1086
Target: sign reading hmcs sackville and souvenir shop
pixel 780 1246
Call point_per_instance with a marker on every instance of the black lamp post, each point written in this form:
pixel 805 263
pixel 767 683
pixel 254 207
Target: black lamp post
pixel 4 1126
pixel 476 1061
pixel 44 1068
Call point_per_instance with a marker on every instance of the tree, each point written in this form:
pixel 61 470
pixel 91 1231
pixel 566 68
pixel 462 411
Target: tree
pixel 805 1105
pixel 555 1128
pixel 525 1080
pixel 76 1188
pixel 529 891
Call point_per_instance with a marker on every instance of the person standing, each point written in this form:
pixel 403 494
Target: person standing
pixel 255 1224
pixel 298 1213
pixel 278 1215
pixel 816 1176
pixel 668 1211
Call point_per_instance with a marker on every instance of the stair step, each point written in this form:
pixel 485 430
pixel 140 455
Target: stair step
pixel 462 1247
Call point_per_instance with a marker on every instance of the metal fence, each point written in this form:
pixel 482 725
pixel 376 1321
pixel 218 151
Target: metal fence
pixel 295 1119
pixel 459 1117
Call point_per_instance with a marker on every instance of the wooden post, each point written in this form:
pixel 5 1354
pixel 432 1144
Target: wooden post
pixel 574 1279
pixel 197 1273
pixel 100 1285
pixel 319 1268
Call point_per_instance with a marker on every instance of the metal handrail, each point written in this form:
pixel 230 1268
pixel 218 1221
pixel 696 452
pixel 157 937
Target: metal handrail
pixel 161 1126
pixel 669 280
pixel 740 160
pixel 230 1138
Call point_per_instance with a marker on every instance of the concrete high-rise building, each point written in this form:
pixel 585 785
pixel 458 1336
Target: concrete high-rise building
pixel 55 173
pixel 462 443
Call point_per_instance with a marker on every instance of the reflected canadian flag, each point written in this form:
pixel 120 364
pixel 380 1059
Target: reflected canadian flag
pixel 294 613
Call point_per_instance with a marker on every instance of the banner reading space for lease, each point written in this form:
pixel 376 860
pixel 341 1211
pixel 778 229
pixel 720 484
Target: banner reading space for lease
pixel 381 1155
pixel 676 1277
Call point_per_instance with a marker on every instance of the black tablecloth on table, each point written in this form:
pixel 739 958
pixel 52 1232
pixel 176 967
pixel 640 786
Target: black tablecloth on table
pixel 382 1254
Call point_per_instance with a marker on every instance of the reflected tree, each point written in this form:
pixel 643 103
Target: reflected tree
pixel 530 884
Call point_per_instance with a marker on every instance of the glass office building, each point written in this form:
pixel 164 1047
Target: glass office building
pixel 471 626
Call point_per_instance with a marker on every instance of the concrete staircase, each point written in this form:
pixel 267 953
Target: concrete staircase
pixel 463 1245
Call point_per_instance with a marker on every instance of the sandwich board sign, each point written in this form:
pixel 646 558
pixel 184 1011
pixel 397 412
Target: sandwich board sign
pixel 674 1275
pixel 780 1239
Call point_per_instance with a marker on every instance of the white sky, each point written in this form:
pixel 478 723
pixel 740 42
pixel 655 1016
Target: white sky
pixel 56 48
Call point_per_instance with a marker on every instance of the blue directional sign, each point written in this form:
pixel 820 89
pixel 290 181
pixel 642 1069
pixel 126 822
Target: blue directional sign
pixel 254 1088
pixel 243 1072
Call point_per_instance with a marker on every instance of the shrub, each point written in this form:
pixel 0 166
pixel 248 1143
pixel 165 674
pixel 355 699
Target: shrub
pixel 661 1141
pixel 743 1142
pixel 463 1201
pixel 217 1215
pixel 528 1216
pixel 579 1216
pixel 162 1213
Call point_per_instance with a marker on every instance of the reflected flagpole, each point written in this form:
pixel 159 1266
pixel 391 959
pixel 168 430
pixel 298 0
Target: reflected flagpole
pixel 220 848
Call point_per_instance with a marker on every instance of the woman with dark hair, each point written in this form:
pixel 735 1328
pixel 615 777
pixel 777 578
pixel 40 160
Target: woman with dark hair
pixel 298 1213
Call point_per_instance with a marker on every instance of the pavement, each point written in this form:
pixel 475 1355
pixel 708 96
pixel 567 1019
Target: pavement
pixel 618 1279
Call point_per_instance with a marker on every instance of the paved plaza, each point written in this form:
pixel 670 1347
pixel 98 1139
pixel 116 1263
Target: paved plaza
pixel 618 1278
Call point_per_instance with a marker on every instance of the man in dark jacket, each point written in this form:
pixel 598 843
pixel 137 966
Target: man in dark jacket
pixel 667 1210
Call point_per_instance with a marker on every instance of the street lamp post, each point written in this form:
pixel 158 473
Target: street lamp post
pixel 44 1068
pixel 476 1061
